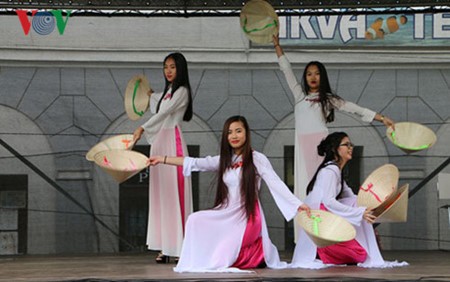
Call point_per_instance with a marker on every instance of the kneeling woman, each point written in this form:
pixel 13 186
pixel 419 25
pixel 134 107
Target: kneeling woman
pixel 328 191
pixel 233 235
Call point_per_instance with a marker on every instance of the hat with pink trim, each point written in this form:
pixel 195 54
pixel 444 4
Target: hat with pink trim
pixel 121 164
pixel 119 142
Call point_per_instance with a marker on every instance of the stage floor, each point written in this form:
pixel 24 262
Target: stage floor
pixel 424 266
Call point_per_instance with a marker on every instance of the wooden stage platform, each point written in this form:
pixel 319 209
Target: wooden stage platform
pixel 424 266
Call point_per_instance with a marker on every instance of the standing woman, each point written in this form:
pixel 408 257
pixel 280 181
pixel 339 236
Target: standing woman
pixel 328 191
pixel 170 199
pixel 314 108
pixel 233 235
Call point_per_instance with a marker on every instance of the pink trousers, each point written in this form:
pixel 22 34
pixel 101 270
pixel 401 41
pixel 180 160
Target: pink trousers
pixel 350 252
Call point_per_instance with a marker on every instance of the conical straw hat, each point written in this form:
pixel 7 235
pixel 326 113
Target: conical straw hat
pixel 136 97
pixel 325 228
pixel 395 208
pixel 121 164
pixel 259 21
pixel 123 142
pixel 411 137
pixel 378 186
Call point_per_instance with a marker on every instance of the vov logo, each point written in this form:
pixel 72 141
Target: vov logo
pixel 43 22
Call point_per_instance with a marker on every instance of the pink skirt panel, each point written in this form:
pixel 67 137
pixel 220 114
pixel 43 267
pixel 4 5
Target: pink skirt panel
pixel 251 254
pixel 312 160
pixel 350 252
pixel 180 176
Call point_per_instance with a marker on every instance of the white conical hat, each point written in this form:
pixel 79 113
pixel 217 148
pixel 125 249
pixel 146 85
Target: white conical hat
pixel 123 142
pixel 136 97
pixel 411 137
pixel 395 208
pixel 378 186
pixel 259 21
pixel 325 228
pixel 121 164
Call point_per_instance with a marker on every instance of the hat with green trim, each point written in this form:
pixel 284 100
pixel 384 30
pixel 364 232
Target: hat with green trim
pixel 136 97
pixel 259 21
pixel 411 137
pixel 325 228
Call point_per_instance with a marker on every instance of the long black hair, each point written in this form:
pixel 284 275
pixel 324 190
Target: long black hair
pixel 326 95
pixel 181 79
pixel 249 190
pixel 328 149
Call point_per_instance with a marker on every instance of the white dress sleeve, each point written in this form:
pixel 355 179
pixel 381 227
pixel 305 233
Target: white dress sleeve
pixel 347 192
pixel 178 101
pixel 154 99
pixel 328 181
pixel 200 164
pixel 285 200
pixel 364 114
pixel 296 88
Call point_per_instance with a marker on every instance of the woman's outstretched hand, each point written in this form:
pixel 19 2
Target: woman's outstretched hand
pixel 388 122
pixel 305 208
pixel 276 40
pixel 154 160
pixel 385 120
pixel 137 134
pixel 368 216
pixel 277 46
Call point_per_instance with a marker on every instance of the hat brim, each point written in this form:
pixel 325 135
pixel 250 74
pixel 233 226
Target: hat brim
pixel 332 229
pixel 411 137
pixel 136 97
pixel 122 142
pixel 259 21
pixel 395 208
pixel 121 164
pixel 378 186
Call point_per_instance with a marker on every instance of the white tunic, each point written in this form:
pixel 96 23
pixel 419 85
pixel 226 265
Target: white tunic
pixel 310 129
pixel 326 189
pixel 213 237
pixel 165 223
pixel 170 114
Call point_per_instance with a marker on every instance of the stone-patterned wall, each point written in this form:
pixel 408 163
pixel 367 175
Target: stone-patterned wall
pixel 58 113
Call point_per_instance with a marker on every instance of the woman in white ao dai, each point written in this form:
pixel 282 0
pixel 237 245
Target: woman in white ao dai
pixel 328 191
pixel 233 235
